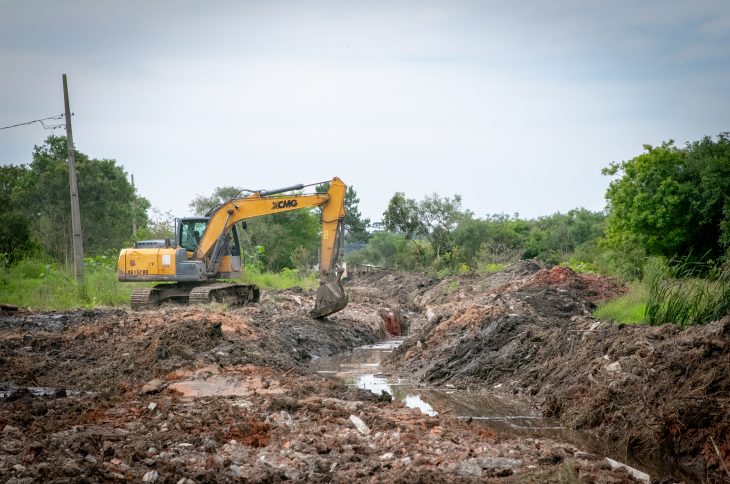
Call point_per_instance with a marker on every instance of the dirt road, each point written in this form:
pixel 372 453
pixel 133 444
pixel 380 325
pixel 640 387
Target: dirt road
pixel 207 394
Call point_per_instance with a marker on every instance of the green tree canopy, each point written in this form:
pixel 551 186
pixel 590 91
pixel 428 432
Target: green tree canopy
pixel 673 201
pixel 202 204
pixel 435 218
pixel 41 195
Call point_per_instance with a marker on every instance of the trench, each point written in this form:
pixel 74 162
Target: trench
pixel 510 417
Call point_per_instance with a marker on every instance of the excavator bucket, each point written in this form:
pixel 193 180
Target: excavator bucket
pixel 331 297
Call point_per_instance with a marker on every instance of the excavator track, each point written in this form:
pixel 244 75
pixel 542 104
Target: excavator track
pixel 224 292
pixel 145 298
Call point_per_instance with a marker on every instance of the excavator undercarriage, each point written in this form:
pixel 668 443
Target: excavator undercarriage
pixel 231 294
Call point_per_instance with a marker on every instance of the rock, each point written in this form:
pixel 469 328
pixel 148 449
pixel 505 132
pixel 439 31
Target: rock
pixel 499 462
pixel 359 425
pixel 469 468
pixel 387 456
pixel 90 459
pixel 235 470
pixel 10 430
pixel 150 476
pixel 635 473
pixel 19 468
pixel 152 406
pixel 406 461
pixel 152 386
pixel 614 367
pixel 71 469
pixel 280 419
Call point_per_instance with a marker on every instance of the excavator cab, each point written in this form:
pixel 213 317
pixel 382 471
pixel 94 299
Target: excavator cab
pixel 189 232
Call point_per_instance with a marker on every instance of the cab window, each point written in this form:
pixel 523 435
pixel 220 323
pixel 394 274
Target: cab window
pixel 191 232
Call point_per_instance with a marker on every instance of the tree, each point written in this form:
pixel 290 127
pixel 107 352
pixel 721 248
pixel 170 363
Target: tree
pixel 202 204
pixel 440 217
pixel 105 199
pixel 403 216
pixel 673 201
pixel 356 226
pixel 16 239
pixel 435 218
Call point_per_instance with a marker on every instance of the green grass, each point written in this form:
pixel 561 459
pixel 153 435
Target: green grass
pixel 285 279
pixel 490 268
pixel 627 309
pixel 39 285
pixel 672 293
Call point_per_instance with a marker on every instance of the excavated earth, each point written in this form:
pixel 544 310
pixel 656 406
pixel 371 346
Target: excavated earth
pixel 658 393
pixel 202 394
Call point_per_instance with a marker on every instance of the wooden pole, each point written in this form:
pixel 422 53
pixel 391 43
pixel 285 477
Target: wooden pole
pixel 75 211
pixel 134 209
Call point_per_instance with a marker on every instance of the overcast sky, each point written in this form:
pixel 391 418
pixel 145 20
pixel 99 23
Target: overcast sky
pixel 514 105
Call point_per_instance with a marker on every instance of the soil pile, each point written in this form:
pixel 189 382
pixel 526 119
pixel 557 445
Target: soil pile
pixel 529 331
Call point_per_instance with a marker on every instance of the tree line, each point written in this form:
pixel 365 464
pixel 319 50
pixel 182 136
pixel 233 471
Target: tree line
pixel 668 201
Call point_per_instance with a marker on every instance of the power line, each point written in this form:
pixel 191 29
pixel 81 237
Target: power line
pixel 46 126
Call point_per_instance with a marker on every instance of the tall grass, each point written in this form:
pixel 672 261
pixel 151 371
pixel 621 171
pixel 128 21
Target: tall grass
pixel 39 285
pixel 678 295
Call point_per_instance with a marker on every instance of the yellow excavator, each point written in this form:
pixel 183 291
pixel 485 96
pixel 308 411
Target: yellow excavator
pixel 194 268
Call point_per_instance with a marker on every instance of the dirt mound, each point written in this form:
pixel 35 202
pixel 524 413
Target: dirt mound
pixel 55 349
pixel 647 390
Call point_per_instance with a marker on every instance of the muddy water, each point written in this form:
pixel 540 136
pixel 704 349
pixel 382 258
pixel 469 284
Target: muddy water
pixel 361 368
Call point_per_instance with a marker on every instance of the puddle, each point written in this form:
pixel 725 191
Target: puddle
pixel 361 368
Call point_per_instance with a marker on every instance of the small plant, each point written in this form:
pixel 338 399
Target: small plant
pixel 452 286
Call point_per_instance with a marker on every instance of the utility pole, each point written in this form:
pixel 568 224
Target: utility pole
pixel 75 212
pixel 134 209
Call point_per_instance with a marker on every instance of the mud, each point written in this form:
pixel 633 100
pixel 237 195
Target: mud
pixel 651 393
pixel 204 394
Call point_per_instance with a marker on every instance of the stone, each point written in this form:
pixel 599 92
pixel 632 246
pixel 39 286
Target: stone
pixel 152 386
pixel 469 468
pixel 150 476
pixel 359 425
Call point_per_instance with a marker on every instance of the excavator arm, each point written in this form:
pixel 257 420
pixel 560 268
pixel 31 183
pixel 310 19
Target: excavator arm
pixel 331 295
